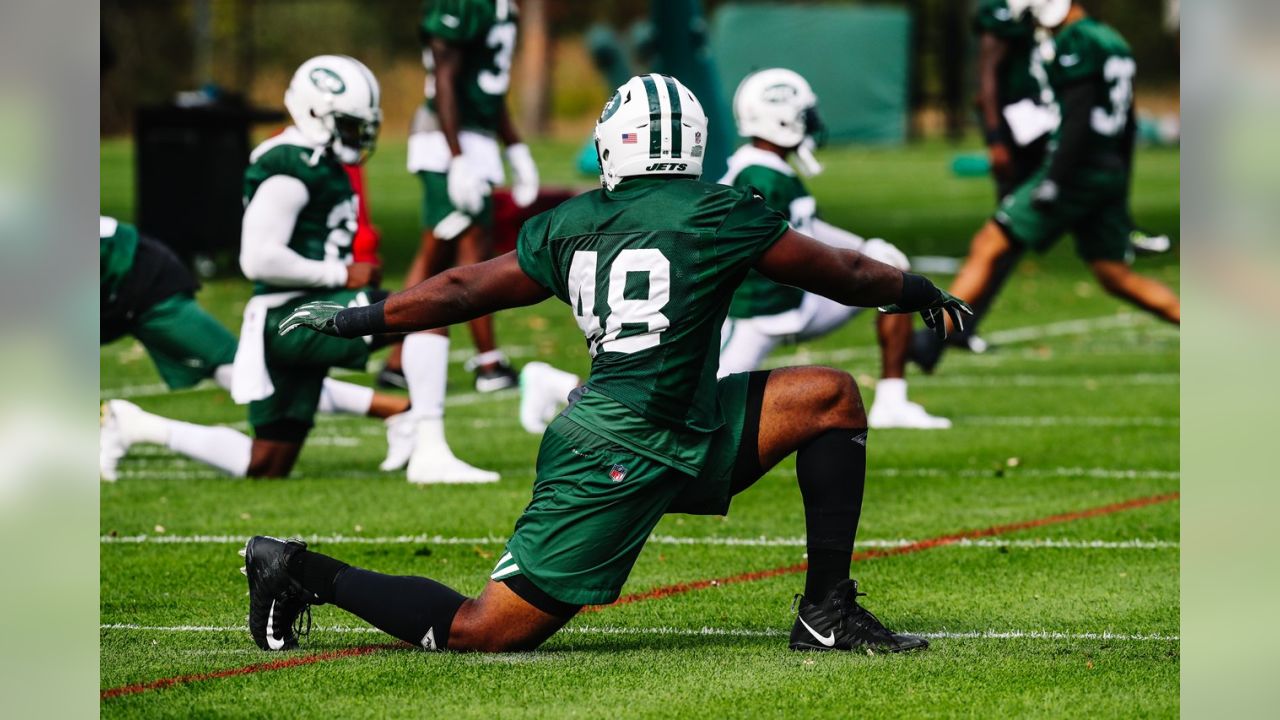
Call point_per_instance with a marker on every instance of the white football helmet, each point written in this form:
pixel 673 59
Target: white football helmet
pixel 777 105
pixel 334 101
pixel 653 125
pixel 1050 13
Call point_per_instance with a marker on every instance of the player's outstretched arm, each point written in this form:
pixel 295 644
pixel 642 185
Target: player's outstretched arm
pixel 852 278
pixel 454 296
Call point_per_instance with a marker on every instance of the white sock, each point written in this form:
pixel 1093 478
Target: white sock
pixel 226 449
pixel 222 376
pixel 347 398
pixel 892 391
pixel 425 360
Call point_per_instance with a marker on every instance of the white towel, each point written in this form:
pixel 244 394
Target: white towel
pixel 249 377
pixel 1029 121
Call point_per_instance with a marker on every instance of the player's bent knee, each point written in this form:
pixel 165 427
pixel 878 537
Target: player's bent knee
pixel 842 402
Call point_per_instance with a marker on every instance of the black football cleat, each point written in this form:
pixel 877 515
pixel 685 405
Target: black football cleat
pixel 276 601
pixel 499 376
pixel 840 623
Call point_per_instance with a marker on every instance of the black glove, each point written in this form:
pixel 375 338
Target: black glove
pixel 920 295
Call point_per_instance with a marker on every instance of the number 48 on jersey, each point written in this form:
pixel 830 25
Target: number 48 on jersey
pixel 637 288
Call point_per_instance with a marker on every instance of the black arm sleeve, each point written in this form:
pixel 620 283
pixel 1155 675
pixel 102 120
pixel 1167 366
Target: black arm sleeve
pixel 1076 102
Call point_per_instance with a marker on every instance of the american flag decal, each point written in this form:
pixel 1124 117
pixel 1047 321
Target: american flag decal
pixel 629 138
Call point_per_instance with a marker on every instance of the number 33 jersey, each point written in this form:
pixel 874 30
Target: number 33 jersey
pixel 648 270
pixel 484 31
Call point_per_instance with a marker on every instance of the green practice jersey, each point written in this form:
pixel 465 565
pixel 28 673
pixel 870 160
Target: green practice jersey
pixel 485 32
pixel 1089 51
pixel 649 269
pixel 117 245
pixel 327 224
pixel 772 178
pixel 1017 70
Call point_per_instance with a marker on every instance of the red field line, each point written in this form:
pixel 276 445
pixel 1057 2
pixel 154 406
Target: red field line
pixel 246 670
pixel 940 541
pixel 676 589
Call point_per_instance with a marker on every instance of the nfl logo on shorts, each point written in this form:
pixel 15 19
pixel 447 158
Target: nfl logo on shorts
pixel 617 473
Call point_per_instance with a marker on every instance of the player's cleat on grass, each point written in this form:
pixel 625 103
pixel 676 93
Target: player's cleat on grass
pixel 840 623
pixel 402 434
pixel 495 377
pixel 1146 244
pixel 904 415
pixel 972 343
pixel 392 379
pixel 540 398
pixel 277 603
pixel 432 462
pixel 124 424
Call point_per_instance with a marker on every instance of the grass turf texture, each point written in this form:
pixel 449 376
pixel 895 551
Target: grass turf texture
pixel 1049 423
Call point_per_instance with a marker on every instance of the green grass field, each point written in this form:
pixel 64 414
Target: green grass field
pixel 1066 604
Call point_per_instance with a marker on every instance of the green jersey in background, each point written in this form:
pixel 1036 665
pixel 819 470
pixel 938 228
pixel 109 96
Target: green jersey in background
pixel 485 31
pixel 327 224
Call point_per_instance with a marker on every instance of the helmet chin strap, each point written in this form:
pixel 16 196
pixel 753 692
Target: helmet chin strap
pixel 809 165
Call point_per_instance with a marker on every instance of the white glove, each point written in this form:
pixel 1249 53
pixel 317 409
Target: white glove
pixel 881 251
pixel 524 185
pixel 467 189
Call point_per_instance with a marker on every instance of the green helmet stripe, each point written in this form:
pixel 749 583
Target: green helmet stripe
pixel 655 117
pixel 673 94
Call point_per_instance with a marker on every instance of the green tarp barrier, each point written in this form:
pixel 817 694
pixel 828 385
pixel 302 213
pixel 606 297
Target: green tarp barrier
pixel 856 58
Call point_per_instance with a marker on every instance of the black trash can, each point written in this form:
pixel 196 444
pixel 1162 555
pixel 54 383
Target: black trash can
pixel 189 166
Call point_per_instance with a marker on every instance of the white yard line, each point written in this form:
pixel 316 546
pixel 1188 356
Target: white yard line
pixel 761 541
pixel 1061 420
pixel 1011 336
pixel 164 465
pixel 1085 381
pixel 694 632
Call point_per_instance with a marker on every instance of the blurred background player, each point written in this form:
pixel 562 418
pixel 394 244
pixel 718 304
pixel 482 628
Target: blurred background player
pixel 453 148
pixel 299 222
pixel 776 110
pixel 1018 112
pixel 148 293
pixel 1011 83
pixel 1083 185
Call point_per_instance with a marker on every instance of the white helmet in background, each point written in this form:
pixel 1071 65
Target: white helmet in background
pixel 1050 13
pixel 334 101
pixel 653 125
pixel 777 105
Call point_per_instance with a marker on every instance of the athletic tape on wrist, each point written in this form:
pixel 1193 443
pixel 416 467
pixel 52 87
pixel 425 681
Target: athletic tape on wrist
pixel 360 321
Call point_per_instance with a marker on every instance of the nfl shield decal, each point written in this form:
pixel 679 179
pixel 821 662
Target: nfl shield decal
pixel 617 473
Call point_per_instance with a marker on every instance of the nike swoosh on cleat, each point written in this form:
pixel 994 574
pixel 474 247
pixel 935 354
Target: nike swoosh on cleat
pixel 275 644
pixel 828 640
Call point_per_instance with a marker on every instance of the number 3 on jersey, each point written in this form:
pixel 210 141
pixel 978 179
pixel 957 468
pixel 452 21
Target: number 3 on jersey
pixel 638 290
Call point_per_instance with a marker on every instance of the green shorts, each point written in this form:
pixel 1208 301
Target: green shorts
pixel 184 341
pixel 299 362
pixel 1093 208
pixel 595 503
pixel 435 201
